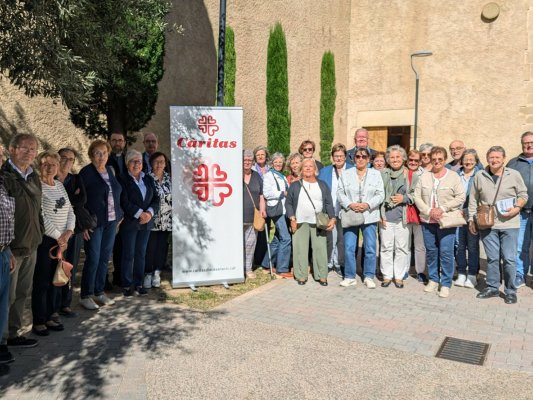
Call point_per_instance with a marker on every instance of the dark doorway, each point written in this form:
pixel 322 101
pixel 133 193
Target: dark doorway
pixel 381 137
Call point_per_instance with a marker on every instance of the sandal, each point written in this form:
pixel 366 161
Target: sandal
pixel 54 326
pixel 40 330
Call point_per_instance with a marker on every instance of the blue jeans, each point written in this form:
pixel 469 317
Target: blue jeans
pixel 134 244
pixel 500 242
pixel 351 239
pixel 439 251
pixel 467 242
pixel 97 252
pixel 4 290
pixel 524 240
pixel 280 247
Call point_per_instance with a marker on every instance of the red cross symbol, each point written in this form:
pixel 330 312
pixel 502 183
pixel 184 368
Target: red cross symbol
pixel 209 183
pixel 207 124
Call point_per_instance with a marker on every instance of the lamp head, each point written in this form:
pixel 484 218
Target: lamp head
pixel 422 53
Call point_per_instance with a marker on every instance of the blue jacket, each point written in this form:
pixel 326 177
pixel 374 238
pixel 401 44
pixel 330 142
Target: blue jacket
pixel 97 192
pixel 132 201
pixel 326 173
pixel 521 165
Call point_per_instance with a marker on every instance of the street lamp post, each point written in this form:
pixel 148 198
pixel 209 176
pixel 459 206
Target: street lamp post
pixel 221 52
pixel 421 53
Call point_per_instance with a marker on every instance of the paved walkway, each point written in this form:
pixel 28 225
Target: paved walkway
pixel 284 341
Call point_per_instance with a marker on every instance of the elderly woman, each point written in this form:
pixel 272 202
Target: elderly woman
pixel 103 200
pixel 394 232
pixel 413 216
pixel 425 157
pixel 304 199
pixel 78 197
pixel 252 199
pixel 378 161
pixel 59 223
pixel 361 191
pixel 504 189
pixel 467 268
pixel 261 159
pixel 157 250
pixel 261 166
pixel 331 175
pixel 437 192
pixel 307 150
pixel 294 163
pixel 275 188
pixel 140 203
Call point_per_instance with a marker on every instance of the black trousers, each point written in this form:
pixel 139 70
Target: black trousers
pixel 156 252
pixel 44 295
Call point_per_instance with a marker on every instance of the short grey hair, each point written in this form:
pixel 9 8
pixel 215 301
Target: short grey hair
pixel 472 152
pixel 132 153
pixel 528 133
pixel 277 155
pixel 247 153
pixel 395 147
pixel 425 146
pixel 20 137
pixel 498 149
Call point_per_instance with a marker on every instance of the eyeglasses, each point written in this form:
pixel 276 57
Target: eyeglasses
pixel 425 154
pixel 456 148
pixel 339 156
pixel 135 162
pixel 527 143
pixel 361 156
pixel 308 149
pixel 27 149
pixel 437 160
pixel 100 153
pixel 67 159
pixel 413 160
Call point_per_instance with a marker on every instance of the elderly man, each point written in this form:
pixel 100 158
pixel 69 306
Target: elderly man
pixel 7 263
pixel 457 148
pixel 151 144
pixel 117 140
pixel 524 165
pixel 360 140
pixel 23 184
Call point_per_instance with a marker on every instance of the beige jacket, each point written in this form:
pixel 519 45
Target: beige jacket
pixel 450 193
pixel 484 189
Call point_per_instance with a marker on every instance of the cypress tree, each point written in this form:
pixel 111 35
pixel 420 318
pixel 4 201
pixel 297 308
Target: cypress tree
pixel 230 68
pixel 277 93
pixel 328 93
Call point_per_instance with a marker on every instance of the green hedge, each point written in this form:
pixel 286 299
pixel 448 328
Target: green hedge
pixel 328 93
pixel 277 93
pixel 230 68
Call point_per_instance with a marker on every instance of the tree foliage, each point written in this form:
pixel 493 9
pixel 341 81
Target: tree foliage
pixel 230 68
pixel 328 94
pixel 277 93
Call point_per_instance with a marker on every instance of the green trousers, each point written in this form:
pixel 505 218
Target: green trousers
pixel 300 252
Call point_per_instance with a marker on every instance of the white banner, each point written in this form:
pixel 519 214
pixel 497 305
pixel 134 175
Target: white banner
pixel 207 235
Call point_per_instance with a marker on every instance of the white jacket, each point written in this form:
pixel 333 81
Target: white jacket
pixel 270 190
pixel 372 192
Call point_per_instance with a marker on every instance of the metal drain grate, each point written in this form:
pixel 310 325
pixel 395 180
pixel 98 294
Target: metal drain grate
pixel 464 351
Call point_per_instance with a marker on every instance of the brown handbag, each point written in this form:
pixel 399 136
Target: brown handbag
pixel 485 213
pixel 63 270
pixel 259 221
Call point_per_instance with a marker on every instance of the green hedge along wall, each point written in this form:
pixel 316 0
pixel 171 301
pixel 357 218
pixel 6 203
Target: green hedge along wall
pixel 328 94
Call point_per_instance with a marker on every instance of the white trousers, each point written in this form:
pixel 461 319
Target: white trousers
pixel 415 233
pixel 395 244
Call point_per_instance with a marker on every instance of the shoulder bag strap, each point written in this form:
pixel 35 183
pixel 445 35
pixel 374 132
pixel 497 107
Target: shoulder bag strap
pixel 309 197
pixel 498 188
pixel 250 194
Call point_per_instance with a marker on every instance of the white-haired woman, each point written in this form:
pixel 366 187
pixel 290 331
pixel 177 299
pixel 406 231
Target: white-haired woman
pixel 394 233
pixel 275 188
pixel 425 156
pixel 140 203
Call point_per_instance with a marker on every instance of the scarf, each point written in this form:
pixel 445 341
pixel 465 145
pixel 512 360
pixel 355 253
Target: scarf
pixel 393 185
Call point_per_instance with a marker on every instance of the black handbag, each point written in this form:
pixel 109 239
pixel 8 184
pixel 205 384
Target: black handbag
pixel 85 219
pixel 277 210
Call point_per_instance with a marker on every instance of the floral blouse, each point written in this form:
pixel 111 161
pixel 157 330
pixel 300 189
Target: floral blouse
pixel 163 219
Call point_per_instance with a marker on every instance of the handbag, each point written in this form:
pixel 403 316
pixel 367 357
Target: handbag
pixel 350 218
pixel 322 219
pixel 277 210
pixel 485 213
pixel 63 269
pixel 452 219
pixel 259 221
pixel 85 219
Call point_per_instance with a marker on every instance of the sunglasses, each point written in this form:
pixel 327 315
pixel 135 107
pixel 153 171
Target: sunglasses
pixel 360 156
pixel 413 160
pixel 308 149
pixel 425 154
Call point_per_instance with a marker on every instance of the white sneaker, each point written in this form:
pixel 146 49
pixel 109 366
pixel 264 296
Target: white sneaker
pixel 444 292
pixel 156 280
pixel 471 282
pixel 89 304
pixel 348 282
pixel 369 283
pixel 104 300
pixel 460 281
pixel 431 287
pixel 147 281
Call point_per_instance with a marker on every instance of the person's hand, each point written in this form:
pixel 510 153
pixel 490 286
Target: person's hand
pixel 511 212
pixel 436 213
pixel 354 206
pixel 87 234
pixel 383 222
pixel 263 213
pixel 294 225
pixel 331 224
pixel 145 217
pixel 396 199
pixel 472 227
pixel 12 263
pixel 64 238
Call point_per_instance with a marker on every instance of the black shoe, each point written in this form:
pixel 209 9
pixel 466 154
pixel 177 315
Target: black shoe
pixel 40 332
pixel 323 283
pixel 386 283
pixel 487 293
pixel 140 291
pixel 302 282
pixel 5 355
pixel 22 342
pixel 4 369
pixel 67 312
pixel 127 292
pixel 510 298
pixel 54 326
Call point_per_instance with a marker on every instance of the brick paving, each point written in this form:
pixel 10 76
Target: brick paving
pixel 402 319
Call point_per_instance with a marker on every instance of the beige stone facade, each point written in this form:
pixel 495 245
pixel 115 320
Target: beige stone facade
pixel 477 86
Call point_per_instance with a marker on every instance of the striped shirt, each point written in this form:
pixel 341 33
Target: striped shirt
pixel 58 214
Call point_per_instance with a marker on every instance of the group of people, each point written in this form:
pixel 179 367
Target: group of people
pixel 120 204
pixel 403 204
